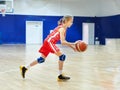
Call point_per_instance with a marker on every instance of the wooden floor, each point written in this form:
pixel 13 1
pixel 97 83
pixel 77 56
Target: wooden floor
pixel 96 69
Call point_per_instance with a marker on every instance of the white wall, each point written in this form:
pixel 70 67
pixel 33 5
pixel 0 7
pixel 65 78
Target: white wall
pixel 65 7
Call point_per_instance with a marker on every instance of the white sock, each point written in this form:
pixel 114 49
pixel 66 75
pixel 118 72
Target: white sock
pixel 60 72
pixel 27 66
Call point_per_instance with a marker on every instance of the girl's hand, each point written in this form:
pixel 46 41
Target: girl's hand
pixel 73 47
pixel 77 41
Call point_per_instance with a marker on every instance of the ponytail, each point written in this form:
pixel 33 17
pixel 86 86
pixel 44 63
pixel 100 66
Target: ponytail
pixel 60 21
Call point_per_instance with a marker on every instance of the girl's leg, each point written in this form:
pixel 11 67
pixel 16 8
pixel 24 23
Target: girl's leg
pixel 23 69
pixel 35 62
pixel 61 64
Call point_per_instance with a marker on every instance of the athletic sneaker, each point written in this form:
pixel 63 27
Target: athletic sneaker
pixel 23 70
pixel 63 78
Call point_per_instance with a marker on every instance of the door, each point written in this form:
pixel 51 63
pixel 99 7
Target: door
pixel 88 33
pixel 34 32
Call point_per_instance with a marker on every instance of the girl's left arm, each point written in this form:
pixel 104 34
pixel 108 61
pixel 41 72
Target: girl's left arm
pixel 63 41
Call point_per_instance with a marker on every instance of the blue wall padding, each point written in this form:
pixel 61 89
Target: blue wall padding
pixel 12 27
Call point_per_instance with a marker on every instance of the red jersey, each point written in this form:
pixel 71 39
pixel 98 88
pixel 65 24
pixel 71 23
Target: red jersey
pixel 54 36
pixel 49 45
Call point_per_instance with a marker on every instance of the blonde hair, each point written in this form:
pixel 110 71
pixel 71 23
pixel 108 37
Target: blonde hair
pixel 65 19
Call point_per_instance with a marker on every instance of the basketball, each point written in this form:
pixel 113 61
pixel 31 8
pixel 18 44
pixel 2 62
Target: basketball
pixel 80 46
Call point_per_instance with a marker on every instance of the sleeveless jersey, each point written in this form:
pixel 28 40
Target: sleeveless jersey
pixel 54 36
pixel 49 44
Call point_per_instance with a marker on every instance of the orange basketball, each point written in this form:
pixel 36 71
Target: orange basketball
pixel 80 46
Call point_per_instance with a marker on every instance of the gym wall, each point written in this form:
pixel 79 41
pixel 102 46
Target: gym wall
pixel 12 27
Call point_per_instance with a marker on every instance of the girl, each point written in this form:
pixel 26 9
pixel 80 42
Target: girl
pixel 49 46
